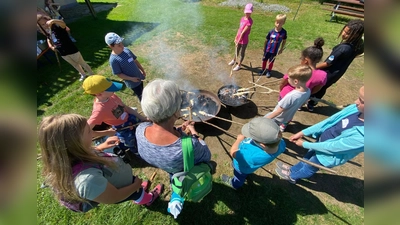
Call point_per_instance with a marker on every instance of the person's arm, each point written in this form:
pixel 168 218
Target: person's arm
pixel 342 145
pixel 113 195
pixel 282 46
pixel 126 77
pixel 316 89
pixel 246 28
pixel 57 22
pixel 235 146
pixel 50 44
pixel 275 113
pixel 109 143
pixel 322 65
pixel 284 82
pixel 140 67
pixel 134 112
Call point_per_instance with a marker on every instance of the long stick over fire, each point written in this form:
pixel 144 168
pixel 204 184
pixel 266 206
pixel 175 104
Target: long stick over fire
pixel 244 89
pixel 210 115
pixel 269 89
pixel 219 128
pixel 308 162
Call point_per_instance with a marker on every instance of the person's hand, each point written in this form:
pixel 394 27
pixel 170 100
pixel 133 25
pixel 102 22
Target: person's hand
pixel 110 132
pixel 299 142
pixel 189 125
pixel 144 73
pixel 53 48
pixel 109 143
pixel 240 137
pixel 49 22
pixel 135 79
pixel 296 136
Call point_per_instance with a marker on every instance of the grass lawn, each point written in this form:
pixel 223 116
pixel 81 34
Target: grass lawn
pixel 160 24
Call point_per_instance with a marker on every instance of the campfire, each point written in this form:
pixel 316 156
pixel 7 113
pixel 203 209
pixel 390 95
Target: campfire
pixel 194 102
pixel 229 95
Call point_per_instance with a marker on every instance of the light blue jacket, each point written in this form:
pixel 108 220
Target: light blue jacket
pixel 339 150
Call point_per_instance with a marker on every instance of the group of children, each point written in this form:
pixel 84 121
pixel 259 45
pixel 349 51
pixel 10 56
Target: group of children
pixel 259 144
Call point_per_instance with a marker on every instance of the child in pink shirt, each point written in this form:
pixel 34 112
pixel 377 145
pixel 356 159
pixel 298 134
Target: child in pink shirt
pixel 309 56
pixel 242 36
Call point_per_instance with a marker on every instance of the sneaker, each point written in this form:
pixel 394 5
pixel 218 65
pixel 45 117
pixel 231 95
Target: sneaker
pixel 282 165
pixel 268 75
pixel 156 192
pixel 134 108
pixel 227 180
pixel 262 72
pixel 237 67
pixel 83 77
pixel 145 185
pixel 310 107
pixel 285 175
pixel 231 62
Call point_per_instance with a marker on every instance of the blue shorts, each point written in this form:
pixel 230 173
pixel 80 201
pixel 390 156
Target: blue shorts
pixel 127 137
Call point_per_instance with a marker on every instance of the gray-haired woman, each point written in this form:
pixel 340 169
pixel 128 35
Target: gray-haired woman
pixel 160 142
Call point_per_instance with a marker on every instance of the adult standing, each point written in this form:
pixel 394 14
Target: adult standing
pixel 341 56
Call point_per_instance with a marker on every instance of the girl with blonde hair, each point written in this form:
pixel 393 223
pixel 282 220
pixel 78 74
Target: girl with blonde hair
pixel 66 141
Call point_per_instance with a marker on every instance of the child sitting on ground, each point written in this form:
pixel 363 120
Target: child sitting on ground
pixel 288 105
pixel 79 173
pixel 108 108
pixel 259 144
pixel 275 38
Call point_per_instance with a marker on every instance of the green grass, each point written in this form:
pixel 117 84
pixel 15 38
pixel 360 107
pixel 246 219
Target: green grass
pixel 264 201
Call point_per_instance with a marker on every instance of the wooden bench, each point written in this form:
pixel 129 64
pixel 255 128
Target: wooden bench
pixel 346 7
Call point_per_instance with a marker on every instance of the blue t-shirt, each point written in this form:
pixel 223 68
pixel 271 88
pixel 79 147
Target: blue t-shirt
pixel 274 40
pixel 346 123
pixel 250 156
pixel 125 63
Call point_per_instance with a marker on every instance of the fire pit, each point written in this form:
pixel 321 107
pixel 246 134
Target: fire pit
pixel 198 101
pixel 227 96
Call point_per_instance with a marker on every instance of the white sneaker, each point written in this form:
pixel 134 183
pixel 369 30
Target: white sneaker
pixel 82 77
pixel 134 108
pixel 231 62
pixel 237 67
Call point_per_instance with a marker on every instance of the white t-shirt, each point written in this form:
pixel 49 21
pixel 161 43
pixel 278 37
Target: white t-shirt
pixel 290 103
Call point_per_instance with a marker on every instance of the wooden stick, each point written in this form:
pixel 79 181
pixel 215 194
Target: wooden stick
pixel 153 176
pixel 273 59
pixel 310 163
pixel 119 129
pixel 219 128
pixel 254 86
pixel 38 156
pixel 190 113
pixel 210 115
pixel 271 90
pixel 340 107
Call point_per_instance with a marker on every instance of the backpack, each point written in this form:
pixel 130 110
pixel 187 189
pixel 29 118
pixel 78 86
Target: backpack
pixel 77 206
pixel 195 182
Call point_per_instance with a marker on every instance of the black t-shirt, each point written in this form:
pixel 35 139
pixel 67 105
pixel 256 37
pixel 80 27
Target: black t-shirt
pixel 340 59
pixel 61 40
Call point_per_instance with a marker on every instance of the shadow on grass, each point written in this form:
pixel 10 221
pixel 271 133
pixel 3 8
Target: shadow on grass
pixel 261 201
pixel 209 130
pixel 90 35
pixel 246 111
pixel 351 189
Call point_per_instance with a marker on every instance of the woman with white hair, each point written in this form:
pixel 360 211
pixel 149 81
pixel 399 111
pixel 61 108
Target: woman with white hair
pixel 159 142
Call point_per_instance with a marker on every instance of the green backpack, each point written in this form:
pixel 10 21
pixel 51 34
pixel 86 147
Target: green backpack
pixel 195 181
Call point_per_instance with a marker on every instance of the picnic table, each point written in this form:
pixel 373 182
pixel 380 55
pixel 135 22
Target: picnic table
pixel 353 8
